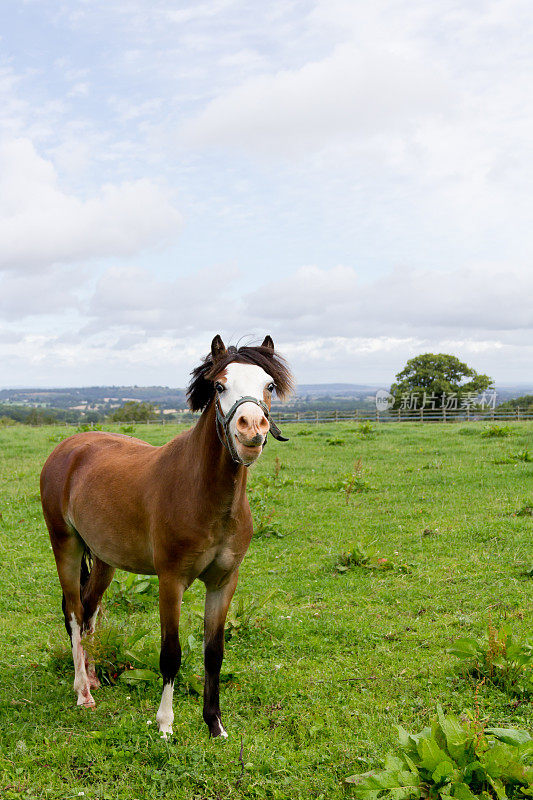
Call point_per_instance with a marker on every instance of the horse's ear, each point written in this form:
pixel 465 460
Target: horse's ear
pixel 218 348
pixel 268 343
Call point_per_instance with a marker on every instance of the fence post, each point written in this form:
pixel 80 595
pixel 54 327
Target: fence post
pixel 317 417
pixel 468 413
pixel 444 415
pixel 355 414
pixel 298 416
pixel 421 415
pixel 336 415
pixel 399 415
pixel 518 413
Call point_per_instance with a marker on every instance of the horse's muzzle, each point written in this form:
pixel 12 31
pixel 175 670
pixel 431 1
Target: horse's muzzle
pixel 256 441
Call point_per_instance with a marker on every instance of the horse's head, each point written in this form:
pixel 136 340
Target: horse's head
pixel 241 382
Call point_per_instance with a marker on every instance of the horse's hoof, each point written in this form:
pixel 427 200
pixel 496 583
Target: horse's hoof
pixel 220 734
pixel 94 683
pixel 86 700
pixel 165 731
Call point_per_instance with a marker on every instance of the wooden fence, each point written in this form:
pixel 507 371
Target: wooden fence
pixel 361 416
pixel 405 415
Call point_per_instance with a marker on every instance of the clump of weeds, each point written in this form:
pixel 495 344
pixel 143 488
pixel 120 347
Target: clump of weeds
pixel 497 431
pixel 132 592
pixel 523 455
pixel 365 430
pixel 359 556
pixel 453 757
pixel 525 511
pixel 243 614
pixel 498 658
pixel 353 482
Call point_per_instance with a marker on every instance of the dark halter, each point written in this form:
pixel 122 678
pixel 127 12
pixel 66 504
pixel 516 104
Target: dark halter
pixel 223 423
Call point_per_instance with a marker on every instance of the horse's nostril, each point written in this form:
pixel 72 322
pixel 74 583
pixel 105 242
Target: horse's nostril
pixel 242 422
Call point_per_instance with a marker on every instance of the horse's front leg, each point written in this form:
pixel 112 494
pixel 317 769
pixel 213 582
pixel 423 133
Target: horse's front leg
pixel 170 595
pixel 217 602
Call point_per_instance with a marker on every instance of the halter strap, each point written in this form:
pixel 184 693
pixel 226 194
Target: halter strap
pixel 223 423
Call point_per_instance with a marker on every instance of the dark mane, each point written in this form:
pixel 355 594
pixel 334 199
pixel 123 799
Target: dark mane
pixel 201 389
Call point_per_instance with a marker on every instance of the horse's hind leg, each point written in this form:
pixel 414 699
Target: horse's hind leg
pixel 100 577
pixel 68 552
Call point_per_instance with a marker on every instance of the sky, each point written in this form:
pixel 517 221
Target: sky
pixel 352 178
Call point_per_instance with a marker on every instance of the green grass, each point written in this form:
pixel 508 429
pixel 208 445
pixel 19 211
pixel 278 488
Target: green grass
pixel 316 679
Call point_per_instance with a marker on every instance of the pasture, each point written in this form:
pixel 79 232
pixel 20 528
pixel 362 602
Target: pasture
pixel 323 656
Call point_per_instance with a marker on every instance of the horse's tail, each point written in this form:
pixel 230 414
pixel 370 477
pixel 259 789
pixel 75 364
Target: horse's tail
pixel 85 571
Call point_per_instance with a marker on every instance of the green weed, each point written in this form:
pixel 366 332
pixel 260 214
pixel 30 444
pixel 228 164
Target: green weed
pixel 130 591
pixel 366 429
pixel 498 658
pixel 353 482
pixel 359 556
pixel 454 758
pixel 525 511
pixel 523 455
pixel 243 614
pixel 497 431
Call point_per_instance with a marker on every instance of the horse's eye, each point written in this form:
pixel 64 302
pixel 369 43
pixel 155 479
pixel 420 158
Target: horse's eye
pixel 219 387
pixel 271 387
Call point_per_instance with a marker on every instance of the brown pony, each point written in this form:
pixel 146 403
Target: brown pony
pixel 178 511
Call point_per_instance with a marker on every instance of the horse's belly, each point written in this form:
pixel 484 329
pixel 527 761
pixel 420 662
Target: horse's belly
pixel 122 546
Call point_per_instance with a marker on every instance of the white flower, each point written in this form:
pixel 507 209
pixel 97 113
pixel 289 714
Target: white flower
pixel 148 721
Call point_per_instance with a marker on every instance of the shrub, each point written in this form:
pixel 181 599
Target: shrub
pixel 454 758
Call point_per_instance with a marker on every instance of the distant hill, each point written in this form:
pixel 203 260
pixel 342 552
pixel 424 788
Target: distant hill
pixel 97 402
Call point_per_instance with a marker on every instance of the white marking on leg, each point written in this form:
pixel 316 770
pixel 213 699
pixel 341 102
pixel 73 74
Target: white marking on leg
pixel 165 714
pixel 222 733
pixel 81 681
pixel 94 683
pixel 92 622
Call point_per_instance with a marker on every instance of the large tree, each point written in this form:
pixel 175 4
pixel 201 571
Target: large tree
pixel 434 378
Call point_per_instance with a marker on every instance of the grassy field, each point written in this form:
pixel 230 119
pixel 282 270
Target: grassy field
pixel 317 678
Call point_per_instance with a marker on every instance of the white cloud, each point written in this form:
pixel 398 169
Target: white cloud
pixel 41 224
pixel 135 298
pixel 354 91
pixel 473 298
pixel 49 293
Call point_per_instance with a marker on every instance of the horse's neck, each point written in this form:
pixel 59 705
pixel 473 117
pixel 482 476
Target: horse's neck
pixel 216 470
